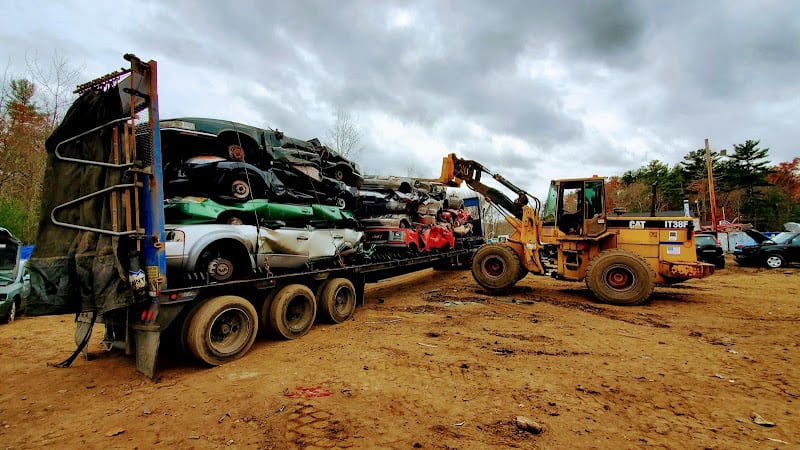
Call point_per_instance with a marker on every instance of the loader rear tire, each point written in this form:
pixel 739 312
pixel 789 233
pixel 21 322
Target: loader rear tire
pixel 292 311
pixel 496 268
pixel 222 329
pixel 620 277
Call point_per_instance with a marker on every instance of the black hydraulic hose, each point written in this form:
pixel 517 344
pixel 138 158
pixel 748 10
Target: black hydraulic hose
pixel 68 362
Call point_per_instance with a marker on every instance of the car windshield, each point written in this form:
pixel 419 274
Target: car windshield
pixel 782 238
pixel 8 262
pixel 704 240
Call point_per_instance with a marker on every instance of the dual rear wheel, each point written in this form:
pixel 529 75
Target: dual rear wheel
pixel 224 328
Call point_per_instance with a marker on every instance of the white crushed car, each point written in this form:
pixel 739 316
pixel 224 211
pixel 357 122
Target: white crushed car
pixel 229 252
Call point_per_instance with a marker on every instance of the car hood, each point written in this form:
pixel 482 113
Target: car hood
pixel 756 236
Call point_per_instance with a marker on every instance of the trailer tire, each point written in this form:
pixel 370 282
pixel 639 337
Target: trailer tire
pixel 337 300
pixel 620 277
pixel 263 312
pixel 292 311
pixel 496 268
pixel 222 329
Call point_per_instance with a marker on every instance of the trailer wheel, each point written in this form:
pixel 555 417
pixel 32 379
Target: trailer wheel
pixel 337 300
pixel 263 311
pixel 496 267
pixel 620 277
pixel 292 311
pixel 222 329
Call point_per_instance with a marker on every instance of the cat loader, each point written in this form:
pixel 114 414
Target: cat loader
pixel 621 257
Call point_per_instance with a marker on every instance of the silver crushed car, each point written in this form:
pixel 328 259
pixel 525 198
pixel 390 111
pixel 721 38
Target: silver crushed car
pixel 229 252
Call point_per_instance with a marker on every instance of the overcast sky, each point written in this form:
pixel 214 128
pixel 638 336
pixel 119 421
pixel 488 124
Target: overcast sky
pixel 534 90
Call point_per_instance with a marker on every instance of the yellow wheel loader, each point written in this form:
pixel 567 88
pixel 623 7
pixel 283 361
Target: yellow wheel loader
pixel 573 237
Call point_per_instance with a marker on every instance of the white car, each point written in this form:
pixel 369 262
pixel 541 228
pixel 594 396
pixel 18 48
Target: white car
pixel 227 252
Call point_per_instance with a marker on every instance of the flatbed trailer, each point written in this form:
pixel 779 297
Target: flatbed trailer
pixel 101 246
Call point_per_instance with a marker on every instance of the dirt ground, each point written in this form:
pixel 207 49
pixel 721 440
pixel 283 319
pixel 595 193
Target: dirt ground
pixel 432 362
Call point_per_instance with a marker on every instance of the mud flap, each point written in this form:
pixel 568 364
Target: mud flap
pixel 147 339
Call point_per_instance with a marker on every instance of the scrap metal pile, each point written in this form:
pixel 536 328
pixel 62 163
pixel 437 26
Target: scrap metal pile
pixel 291 202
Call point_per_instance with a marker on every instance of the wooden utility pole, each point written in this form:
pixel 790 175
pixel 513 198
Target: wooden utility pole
pixel 712 195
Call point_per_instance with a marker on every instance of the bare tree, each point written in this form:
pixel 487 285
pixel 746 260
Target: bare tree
pixel 345 136
pixel 56 82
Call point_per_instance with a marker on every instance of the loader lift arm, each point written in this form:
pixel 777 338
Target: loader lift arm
pixel 455 170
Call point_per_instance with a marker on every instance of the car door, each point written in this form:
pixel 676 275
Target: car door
pixel 793 249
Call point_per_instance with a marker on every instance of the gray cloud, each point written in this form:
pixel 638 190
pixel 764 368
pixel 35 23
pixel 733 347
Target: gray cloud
pixel 602 84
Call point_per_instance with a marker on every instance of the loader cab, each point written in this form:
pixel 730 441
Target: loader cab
pixel 575 207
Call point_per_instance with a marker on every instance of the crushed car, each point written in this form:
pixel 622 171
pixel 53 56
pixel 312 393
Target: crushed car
pixel 336 166
pixel 414 240
pixel 218 253
pixel 200 210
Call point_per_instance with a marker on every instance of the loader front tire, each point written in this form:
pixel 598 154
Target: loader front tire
pixel 496 268
pixel 620 277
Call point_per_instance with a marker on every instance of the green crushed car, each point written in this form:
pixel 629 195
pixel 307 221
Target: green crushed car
pixel 201 210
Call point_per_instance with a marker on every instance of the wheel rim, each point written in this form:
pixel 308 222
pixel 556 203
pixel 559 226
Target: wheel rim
pixel 297 312
pixel 240 189
pixel 493 266
pixel 774 261
pixel 220 269
pixel 341 301
pixel 12 313
pixel 229 332
pixel 619 277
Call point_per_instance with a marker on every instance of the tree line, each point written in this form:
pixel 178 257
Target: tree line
pixel 748 189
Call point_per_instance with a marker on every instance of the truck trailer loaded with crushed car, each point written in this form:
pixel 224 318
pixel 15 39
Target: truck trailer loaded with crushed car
pixel 262 233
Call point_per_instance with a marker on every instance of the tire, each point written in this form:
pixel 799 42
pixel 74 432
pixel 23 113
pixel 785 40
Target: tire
pixel 240 188
pixel 339 174
pixel 263 311
pixel 720 263
pixel 292 311
pixel 337 300
pixel 231 219
pixel 620 277
pixel 496 268
pixel 220 263
pixel 222 329
pixel 774 261
pixel 12 313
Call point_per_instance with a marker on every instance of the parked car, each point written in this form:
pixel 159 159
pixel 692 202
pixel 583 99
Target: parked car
pixel 779 251
pixel 230 252
pixel 198 210
pixel 13 276
pixel 709 249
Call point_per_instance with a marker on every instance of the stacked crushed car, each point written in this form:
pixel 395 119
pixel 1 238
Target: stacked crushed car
pixel 241 199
